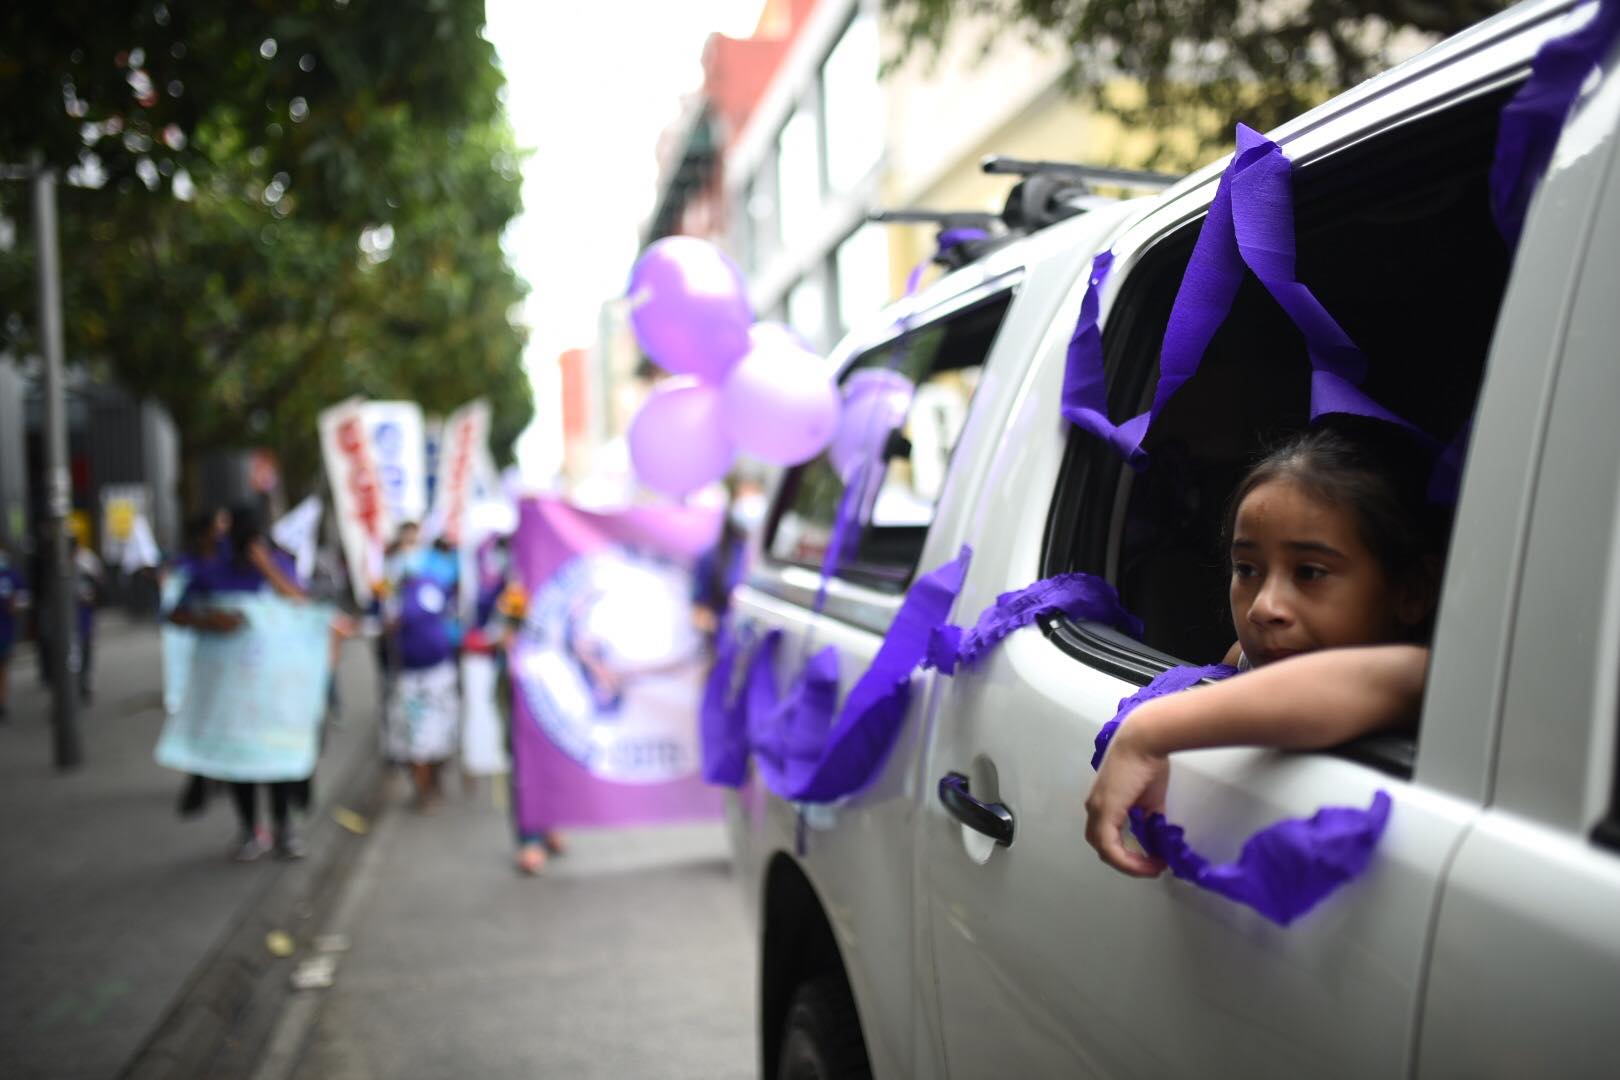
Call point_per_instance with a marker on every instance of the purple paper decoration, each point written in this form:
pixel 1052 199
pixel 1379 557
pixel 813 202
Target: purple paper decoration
pixel 1285 869
pixel 803 755
pixel 1250 224
pixel 1533 120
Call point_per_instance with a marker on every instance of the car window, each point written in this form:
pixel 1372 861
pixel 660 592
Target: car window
pixel 943 360
pixel 1396 239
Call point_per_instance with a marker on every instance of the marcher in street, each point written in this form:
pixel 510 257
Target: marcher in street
pixel 12 588
pixel 247 565
pixel 89 579
pixel 505 604
pixel 423 708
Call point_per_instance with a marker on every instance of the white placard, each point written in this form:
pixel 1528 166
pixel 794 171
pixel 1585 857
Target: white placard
pixel 399 447
pixel 461 449
pixel 363 521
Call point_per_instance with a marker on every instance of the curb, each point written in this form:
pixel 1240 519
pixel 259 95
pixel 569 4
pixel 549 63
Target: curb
pixel 221 1019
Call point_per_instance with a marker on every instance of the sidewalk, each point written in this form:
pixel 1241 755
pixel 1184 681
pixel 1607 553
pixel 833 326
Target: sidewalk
pixel 111 903
pixel 628 957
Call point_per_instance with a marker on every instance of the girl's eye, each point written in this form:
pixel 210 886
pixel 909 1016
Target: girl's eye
pixel 1243 570
pixel 1310 573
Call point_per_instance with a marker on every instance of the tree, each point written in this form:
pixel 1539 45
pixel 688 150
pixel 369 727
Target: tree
pixel 1203 65
pixel 314 212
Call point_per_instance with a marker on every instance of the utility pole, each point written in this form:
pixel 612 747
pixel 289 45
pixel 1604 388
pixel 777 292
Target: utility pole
pixel 58 484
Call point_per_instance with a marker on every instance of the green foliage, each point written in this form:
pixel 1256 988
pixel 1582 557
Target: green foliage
pixel 1201 66
pixel 339 230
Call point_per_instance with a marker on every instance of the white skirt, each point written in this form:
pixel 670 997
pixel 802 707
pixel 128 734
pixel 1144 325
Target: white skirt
pixel 423 714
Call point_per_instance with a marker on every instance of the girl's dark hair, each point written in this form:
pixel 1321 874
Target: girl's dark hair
pixel 247 525
pixel 1374 469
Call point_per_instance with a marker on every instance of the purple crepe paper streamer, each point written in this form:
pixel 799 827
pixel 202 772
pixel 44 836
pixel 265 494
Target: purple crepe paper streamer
pixel 1166 682
pixel 1533 120
pixel 721 723
pixel 1284 869
pixel 870 721
pixel 802 754
pixel 790 734
pixel 1250 223
pixel 1079 596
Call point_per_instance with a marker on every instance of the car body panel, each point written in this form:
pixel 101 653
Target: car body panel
pixel 1525 973
pixel 1035 959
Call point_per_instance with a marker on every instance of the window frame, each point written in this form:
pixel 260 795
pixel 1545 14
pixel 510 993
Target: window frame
pixel 1082 475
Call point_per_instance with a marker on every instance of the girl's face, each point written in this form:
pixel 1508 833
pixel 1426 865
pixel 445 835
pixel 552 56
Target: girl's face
pixel 1302 579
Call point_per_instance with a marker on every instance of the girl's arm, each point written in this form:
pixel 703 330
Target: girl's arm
pixel 211 620
pixel 259 555
pixel 1306 702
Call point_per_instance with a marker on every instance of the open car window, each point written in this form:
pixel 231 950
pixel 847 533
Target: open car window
pixel 1396 239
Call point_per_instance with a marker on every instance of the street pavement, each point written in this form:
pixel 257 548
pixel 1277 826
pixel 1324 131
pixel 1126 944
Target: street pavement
pixel 111 902
pixel 126 933
pixel 628 957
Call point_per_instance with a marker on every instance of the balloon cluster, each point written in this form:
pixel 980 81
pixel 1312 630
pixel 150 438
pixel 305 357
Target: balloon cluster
pixel 738 385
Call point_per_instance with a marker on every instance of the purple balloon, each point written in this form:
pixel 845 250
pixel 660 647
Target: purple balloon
pixel 676 441
pixel 875 403
pixel 779 402
pixel 689 307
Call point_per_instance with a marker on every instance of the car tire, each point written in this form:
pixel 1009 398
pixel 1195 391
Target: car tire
pixel 821 1038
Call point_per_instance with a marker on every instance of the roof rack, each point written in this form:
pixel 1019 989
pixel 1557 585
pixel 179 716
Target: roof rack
pixel 1133 179
pixel 1047 192
pixel 958 255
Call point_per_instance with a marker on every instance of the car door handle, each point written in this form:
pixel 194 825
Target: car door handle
pixel 992 819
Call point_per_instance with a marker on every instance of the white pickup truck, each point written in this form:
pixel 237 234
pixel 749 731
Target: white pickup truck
pixel 897 937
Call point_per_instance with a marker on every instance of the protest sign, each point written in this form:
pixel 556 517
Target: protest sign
pixel 364 524
pixel 607 670
pixel 399 448
pixel 298 534
pixel 254 697
pixel 177 641
pixel 461 449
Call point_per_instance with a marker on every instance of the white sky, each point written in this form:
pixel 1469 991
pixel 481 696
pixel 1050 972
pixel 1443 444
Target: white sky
pixel 590 87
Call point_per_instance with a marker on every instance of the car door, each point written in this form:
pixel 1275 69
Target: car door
pixel 1049 963
pixel 857 856
pixel 1525 975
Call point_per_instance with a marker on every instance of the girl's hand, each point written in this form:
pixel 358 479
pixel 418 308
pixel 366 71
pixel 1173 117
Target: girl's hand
pixel 221 621
pixel 1131 775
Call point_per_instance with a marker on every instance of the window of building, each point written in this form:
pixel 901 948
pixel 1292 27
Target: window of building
pixel 764 212
pixel 799 177
pixel 853 104
pixel 807 309
pixel 862 271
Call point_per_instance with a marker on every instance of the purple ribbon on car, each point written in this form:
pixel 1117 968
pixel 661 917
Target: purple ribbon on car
pixel 1533 120
pixel 803 754
pixel 1250 225
pixel 1283 870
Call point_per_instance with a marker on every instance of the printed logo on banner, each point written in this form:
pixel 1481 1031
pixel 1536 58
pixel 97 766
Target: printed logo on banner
pixel 609 663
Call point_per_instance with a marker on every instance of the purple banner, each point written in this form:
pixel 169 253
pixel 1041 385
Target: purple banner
pixel 608 670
